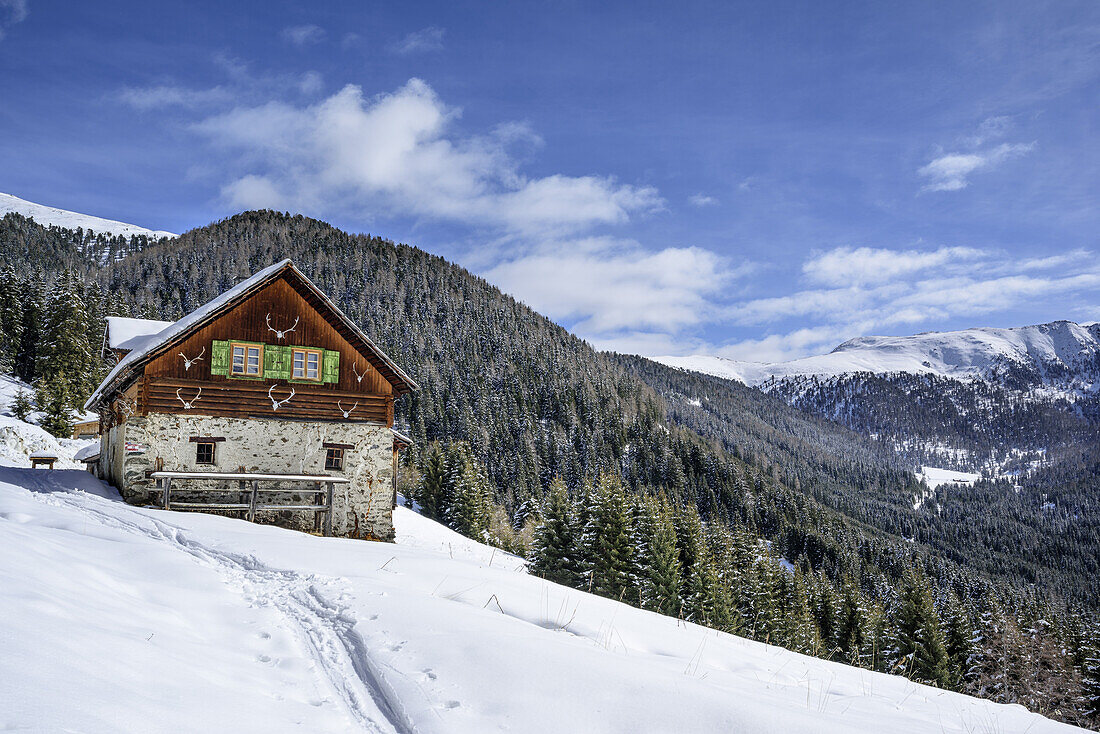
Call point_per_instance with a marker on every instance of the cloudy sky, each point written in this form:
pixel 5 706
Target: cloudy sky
pixel 756 180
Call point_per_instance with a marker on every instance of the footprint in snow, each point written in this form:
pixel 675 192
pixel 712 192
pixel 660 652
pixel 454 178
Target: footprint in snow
pixel 452 704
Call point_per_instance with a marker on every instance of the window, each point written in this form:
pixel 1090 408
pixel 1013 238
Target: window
pixel 307 364
pixel 248 359
pixel 204 452
pixel 334 459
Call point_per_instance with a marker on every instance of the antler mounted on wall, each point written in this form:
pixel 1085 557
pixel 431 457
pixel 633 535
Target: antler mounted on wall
pixel 358 377
pixel 188 362
pixel 275 404
pixel 187 404
pixel 340 405
pixel 127 407
pixel 280 334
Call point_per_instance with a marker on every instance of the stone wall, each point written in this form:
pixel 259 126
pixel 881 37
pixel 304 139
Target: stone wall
pixel 362 508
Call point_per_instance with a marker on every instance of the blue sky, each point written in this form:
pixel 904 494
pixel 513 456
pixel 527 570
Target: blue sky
pixel 757 180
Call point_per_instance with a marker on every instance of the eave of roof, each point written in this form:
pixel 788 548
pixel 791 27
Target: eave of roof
pixel 177 331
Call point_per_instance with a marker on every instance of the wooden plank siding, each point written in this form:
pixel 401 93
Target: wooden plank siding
pixel 247 397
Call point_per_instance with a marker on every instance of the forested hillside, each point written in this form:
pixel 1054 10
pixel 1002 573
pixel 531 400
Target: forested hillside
pixel 512 397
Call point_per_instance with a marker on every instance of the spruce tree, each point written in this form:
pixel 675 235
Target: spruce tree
pixel 959 639
pixel 52 400
pixel 607 540
pixel 660 581
pixel 851 632
pixel 21 406
pixel 11 319
pixel 433 470
pixel 917 646
pixel 1090 675
pixel 554 552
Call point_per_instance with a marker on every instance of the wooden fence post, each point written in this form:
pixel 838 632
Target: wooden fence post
pixel 167 491
pixel 252 501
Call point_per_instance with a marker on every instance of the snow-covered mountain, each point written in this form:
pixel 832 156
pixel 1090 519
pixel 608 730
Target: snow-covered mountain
pixel 130 619
pixel 48 215
pixel 1053 349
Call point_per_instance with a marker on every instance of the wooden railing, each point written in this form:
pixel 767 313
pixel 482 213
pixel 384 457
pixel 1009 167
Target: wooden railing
pixel 249 485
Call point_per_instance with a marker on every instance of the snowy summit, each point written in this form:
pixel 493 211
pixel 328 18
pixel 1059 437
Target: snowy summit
pixel 969 353
pixel 52 216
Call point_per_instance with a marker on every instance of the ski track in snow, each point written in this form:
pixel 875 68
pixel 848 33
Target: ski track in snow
pixel 324 626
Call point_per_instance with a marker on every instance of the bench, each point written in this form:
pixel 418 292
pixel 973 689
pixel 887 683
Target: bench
pixel 249 485
pixel 44 458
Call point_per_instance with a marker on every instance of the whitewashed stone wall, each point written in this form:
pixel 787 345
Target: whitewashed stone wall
pixel 362 508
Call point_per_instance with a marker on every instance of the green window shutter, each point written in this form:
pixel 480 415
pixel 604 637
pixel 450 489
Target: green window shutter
pixel 271 362
pixel 282 362
pixel 331 370
pixel 219 358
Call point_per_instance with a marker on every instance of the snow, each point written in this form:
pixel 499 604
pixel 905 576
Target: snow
pixel 934 477
pixel 48 215
pixel 962 354
pixel 126 333
pixel 128 619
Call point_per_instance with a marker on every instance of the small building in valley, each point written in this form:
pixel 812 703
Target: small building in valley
pixel 269 378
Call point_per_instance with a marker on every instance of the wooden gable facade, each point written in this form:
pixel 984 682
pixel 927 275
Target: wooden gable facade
pixel 193 372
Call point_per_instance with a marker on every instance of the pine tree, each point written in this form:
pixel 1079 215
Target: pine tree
pixel 801 631
pixel 429 494
pixel 52 399
pixel 21 406
pixel 851 633
pixel 469 506
pixel 917 647
pixel 660 586
pixel 11 319
pixel 554 552
pixel 1090 675
pixel 65 353
pixel 607 540
pixel 959 639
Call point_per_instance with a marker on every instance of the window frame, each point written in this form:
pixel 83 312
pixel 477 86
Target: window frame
pixel 305 364
pixel 213 453
pixel 334 458
pixel 246 346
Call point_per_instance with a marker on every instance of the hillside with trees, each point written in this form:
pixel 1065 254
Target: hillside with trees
pixel 675 492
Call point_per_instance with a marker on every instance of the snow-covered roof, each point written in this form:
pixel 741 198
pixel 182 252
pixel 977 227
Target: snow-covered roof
pixel 128 334
pixel 151 344
pixel 88 453
pixel 402 437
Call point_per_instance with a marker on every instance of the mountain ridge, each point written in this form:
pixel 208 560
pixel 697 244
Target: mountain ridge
pixel 54 216
pixel 978 352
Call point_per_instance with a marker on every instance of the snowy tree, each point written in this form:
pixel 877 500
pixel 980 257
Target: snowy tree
pixel 554 551
pixel 606 540
pixel 917 646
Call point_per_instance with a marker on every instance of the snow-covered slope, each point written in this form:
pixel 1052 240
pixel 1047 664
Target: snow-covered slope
pixel 119 618
pixel 961 354
pixel 48 215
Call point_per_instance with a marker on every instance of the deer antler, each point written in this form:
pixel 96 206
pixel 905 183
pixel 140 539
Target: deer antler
pixel 187 405
pixel 280 334
pixel 188 362
pixel 358 377
pixel 275 404
pixel 340 405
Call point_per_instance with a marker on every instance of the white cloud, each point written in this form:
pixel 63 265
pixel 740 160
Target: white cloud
pixel 302 35
pixel 398 151
pixel 164 96
pixel 421 41
pixel 991 128
pixel 891 289
pixel 12 12
pixel 950 172
pixel 701 200
pixel 861 265
pixel 615 291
